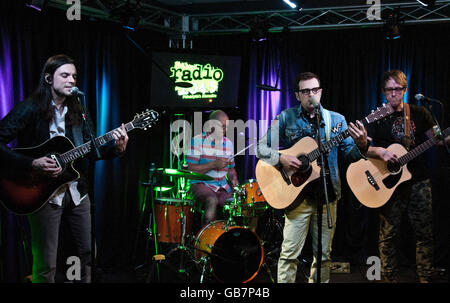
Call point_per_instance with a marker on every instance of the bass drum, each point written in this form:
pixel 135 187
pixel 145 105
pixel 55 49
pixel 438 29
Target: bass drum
pixel 235 253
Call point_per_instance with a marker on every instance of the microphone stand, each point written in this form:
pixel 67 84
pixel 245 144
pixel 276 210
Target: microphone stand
pixel 429 107
pixel 94 145
pixel 321 163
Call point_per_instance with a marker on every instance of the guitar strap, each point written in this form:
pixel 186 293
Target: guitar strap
pixel 406 140
pixel 327 118
pixel 77 135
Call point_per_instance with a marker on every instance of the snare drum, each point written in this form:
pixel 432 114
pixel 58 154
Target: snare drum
pixel 168 217
pixel 235 253
pixel 253 201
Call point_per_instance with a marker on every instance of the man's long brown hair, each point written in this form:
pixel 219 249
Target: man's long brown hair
pixel 43 96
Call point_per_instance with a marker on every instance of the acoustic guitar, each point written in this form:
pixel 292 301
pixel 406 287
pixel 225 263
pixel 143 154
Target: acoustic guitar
pixel 25 193
pixel 373 181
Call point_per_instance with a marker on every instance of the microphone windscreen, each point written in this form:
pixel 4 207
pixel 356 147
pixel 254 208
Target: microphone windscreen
pixel 419 97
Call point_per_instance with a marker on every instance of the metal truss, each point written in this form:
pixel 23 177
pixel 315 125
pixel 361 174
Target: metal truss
pixel 163 20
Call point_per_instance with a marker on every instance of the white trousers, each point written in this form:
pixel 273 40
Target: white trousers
pixel 297 224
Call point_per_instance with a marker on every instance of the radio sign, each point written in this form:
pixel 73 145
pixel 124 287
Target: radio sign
pixel 205 80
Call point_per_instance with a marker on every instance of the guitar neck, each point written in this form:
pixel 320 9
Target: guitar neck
pixel 421 148
pixel 333 142
pixel 85 148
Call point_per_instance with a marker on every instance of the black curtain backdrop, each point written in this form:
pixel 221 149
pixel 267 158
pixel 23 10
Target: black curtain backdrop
pixel 350 64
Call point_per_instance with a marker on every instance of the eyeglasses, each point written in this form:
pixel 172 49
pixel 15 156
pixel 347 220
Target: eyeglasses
pixel 396 89
pixel 307 91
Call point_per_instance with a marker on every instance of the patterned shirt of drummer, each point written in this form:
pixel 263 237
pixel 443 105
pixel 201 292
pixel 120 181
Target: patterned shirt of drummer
pixel 204 150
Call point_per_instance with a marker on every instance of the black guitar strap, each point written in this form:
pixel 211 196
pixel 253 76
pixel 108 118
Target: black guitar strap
pixel 77 134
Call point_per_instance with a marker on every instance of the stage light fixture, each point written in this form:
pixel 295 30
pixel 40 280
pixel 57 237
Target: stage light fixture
pixel 392 25
pixel 38 5
pixel 290 3
pixel 129 15
pixel 132 22
pixel 259 31
pixel 427 2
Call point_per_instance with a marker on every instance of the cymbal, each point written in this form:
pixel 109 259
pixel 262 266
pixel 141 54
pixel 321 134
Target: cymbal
pixel 181 173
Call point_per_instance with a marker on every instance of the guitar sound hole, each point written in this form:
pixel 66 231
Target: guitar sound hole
pixel 393 168
pixel 300 177
pixel 305 164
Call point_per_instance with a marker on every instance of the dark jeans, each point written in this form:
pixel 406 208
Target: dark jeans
pixel 45 226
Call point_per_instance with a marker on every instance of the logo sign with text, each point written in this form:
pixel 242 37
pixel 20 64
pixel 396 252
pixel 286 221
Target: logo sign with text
pixel 205 80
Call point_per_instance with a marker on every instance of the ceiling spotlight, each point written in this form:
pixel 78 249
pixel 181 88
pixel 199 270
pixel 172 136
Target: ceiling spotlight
pixel 392 25
pixel 38 5
pixel 129 15
pixel 132 22
pixel 259 31
pixel 427 2
pixel 290 3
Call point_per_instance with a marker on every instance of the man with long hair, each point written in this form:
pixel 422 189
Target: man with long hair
pixel 52 111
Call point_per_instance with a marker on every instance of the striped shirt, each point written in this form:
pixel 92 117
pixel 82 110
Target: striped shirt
pixel 204 150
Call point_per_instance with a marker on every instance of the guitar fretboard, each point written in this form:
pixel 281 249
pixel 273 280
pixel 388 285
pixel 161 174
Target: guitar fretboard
pixel 85 148
pixel 421 148
pixel 380 113
pixel 333 142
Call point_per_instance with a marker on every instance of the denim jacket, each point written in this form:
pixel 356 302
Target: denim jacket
pixel 292 125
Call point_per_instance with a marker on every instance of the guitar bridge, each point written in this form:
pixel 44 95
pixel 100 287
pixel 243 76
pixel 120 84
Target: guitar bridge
pixel 371 180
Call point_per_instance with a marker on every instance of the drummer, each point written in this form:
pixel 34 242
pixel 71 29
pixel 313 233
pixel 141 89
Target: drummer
pixel 211 154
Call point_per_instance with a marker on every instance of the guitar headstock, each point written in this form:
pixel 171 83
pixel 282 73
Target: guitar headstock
pixel 145 119
pixel 380 113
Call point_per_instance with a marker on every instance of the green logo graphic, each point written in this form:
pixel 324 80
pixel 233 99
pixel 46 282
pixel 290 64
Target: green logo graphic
pixel 204 79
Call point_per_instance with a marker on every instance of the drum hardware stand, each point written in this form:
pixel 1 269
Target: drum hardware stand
pixel 151 228
pixel 267 267
pixel 182 247
pixel 203 262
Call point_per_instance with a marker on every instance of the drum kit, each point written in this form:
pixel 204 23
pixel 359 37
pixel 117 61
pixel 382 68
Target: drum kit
pixel 223 250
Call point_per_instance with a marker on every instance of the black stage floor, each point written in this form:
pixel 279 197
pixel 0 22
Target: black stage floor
pixel 169 274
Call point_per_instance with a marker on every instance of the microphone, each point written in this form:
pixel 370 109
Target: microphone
pixel 420 97
pixel 76 92
pixel 313 102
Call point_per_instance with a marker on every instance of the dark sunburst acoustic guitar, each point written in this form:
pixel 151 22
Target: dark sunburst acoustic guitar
pixel 25 193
